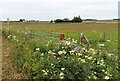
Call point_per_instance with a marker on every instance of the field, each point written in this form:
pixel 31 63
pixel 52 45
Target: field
pixel 37 52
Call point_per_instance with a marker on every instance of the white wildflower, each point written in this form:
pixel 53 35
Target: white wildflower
pixel 89 77
pixel 95 77
pixel 106 77
pixel 43 71
pixel 64 52
pixel 14 37
pixel 109 54
pixel 83 60
pixel 79 54
pixel 52 64
pixel 91 49
pixel 74 41
pixel 72 51
pixel 90 58
pixel 103 70
pixel 60 52
pixel 108 40
pixel 37 49
pixel 98 62
pixel 61 74
pixel 9 36
pixel 101 62
pixel 86 56
pixel 68 43
pixel 63 47
pixel 49 51
pixel 94 72
pixel 42 54
pixel 101 45
pixel 62 77
pixel 62 68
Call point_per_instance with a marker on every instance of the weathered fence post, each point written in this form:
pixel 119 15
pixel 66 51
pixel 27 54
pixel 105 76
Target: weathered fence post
pixel 102 37
pixel 81 38
pixel 84 40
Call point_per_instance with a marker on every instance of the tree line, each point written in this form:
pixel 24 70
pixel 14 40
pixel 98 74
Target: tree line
pixel 76 19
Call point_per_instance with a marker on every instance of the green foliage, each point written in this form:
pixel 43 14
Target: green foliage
pixel 66 20
pixel 21 20
pixel 41 58
pixel 76 19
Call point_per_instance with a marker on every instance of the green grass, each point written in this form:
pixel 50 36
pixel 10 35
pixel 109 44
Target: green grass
pixel 92 31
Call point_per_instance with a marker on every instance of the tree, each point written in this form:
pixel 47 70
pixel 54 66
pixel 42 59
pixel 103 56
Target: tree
pixel 76 19
pixel 58 21
pixel 66 20
pixel 51 21
pixel 22 20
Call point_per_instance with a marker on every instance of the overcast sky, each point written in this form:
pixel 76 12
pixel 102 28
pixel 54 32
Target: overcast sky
pixel 52 9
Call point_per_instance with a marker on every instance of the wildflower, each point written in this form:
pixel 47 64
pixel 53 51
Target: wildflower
pixel 52 64
pixel 74 41
pixel 9 36
pixel 49 51
pixel 95 77
pixel 98 62
pixel 86 56
pixel 42 54
pixel 83 60
pixel 68 43
pixel 14 37
pixel 94 72
pixel 106 77
pixel 61 74
pixel 101 45
pixel 79 54
pixel 50 41
pixel 103 70
pixel 108 40
pixel 62 68
pixel 60 52
pixel 109 54
pixel 89 77
pixel 90 58
pixel 101 62
pixel 63 47
pixel 64 52
pixel 72 51
pixel 45 72
pixel 62 77
pixel 37 49
pixel 91 49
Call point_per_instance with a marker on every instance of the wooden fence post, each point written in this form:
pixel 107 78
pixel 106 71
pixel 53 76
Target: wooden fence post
pixel 84 40
pixel 102 37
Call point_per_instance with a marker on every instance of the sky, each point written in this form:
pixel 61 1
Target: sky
pixel 58 9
